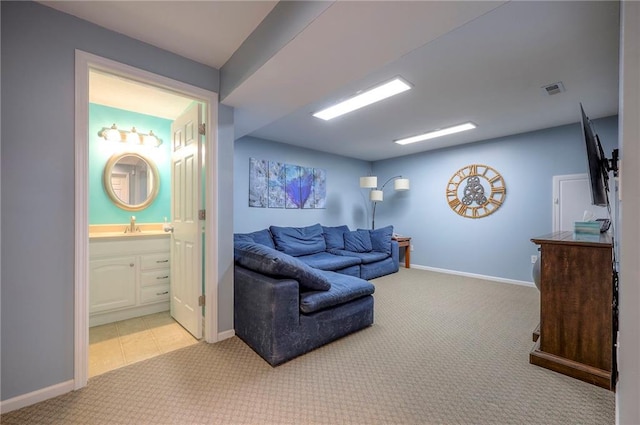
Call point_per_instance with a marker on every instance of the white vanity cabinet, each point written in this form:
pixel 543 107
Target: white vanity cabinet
pixel 128 277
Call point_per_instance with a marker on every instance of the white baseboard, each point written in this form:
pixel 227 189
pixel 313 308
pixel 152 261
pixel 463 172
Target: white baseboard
pixel 36 396
pixel 226 334
pixel 474 275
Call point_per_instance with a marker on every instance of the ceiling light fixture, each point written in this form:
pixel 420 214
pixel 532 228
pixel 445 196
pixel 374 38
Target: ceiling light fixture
pixel 363 99
pixel 436 133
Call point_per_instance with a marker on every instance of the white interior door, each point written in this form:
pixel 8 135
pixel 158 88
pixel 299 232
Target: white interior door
pixel 186 246
pixel 120 184
pixel 571 198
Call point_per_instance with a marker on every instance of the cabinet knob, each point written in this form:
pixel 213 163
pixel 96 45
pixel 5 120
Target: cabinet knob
pixel 162 293
pixel 162 261
pixel 162 277
pixel 130 264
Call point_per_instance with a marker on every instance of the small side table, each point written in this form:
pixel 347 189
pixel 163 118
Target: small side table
pixel 405 241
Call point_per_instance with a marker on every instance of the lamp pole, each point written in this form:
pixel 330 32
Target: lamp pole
pixel 373 215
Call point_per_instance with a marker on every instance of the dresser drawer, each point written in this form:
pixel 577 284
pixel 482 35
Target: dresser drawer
pixel 154 261
pixel 155 277
pixel 155 293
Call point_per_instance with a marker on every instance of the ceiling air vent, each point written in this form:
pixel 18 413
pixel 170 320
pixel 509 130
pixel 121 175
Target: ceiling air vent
pixel 554 88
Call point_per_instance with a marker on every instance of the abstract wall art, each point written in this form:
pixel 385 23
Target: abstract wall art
pixel 275 184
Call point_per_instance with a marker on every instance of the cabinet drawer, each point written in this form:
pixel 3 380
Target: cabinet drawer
pixel 155 293
pixel 155 277
pixel 154 261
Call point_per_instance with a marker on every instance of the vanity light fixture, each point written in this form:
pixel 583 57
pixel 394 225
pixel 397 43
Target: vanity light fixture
pixel 436 133
pixel 363 99
pixel 113 134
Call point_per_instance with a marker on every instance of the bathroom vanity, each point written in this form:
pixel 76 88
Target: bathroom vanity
pixel 129 274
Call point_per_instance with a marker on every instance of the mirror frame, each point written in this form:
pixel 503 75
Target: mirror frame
pixel 106 180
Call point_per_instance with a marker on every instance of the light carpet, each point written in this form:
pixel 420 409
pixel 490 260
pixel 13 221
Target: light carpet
pixel 443 349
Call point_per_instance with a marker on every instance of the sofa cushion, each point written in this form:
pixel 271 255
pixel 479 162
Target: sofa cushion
pixel 364 257
pixel 327 261
pixel 263 259
pixel 343 289
pixel 334 236
pixel 261 236
pixel 357 241
pixel 381 239
pixel 298 241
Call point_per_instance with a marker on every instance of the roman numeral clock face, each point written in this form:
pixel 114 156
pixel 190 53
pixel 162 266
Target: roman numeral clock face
pixel 475 191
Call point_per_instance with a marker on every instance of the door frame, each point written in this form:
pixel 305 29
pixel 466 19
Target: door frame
pixel 83 63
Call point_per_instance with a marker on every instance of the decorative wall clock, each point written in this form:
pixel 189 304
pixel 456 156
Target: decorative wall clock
pixel 475 191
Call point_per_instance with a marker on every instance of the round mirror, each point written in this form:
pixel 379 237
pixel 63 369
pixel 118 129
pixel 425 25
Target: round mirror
pixel 131 181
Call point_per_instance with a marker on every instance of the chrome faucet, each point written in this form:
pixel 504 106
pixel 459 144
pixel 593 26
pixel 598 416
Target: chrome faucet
pixel 131 228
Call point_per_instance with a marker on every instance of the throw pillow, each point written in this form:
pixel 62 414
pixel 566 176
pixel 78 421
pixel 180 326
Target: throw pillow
pixel 357 241
pixel 261 236
pixel 334 236
pixel 381 239
pixel 263 259
pixel 299 241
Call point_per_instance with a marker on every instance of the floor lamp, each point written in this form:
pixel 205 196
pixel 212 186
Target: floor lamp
pixel 377 195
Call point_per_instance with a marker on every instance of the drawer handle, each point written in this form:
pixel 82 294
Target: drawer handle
pixel 162 277
pixel 162 261
pixel 162 293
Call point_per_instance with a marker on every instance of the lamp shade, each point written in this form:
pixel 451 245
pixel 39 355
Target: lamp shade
pixel 401 184
pixel 112 134
pixel 133 137
pixel 376 195
pixel 369 182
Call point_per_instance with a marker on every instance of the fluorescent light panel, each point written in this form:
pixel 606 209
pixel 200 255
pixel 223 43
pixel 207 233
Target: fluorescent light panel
pixel 361 100
pixel 436 133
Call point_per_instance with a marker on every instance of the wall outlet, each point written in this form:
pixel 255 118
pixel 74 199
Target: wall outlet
pixel 534 258
pixel 411 247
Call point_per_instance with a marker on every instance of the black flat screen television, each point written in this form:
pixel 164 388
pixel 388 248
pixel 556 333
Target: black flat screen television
pixel 597 163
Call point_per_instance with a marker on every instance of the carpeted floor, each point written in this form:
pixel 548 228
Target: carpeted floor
pixel 443 350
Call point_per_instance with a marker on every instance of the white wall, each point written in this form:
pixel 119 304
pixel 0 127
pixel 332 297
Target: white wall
pixel 628 390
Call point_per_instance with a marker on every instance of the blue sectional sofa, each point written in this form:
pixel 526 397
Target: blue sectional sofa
pixel 297 288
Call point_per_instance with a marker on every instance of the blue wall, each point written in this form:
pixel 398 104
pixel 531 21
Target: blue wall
pixel 346 202
pixel 497 245
pixel 38 59
pixel 101 209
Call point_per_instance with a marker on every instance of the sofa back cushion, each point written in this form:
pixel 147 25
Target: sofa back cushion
pixel 265 260
pixel 261 236
pixel 357 241
pixel 381 239
pixel 299 241
pixel 334 236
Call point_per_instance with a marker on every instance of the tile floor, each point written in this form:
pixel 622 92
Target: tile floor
pixel 121 343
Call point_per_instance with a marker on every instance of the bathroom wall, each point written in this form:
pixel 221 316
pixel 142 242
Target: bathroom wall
pixel 101 209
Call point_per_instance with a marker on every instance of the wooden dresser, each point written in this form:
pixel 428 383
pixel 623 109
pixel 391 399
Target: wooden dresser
pixel 577 328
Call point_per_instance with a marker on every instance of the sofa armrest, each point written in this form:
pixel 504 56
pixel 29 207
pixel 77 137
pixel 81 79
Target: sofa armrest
pixel 395 252
pixel 266 309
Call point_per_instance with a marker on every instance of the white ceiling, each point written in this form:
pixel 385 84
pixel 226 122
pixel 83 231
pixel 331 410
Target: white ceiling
pixel 468 61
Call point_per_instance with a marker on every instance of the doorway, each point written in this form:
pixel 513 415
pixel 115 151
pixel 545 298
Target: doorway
pixel 85 64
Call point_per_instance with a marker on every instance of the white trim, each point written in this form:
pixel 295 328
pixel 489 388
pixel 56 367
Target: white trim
pixel 81 213
pixel 474 275
pixel 37 396
pixel 85 61
pixel 210 247
pixel 226 334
